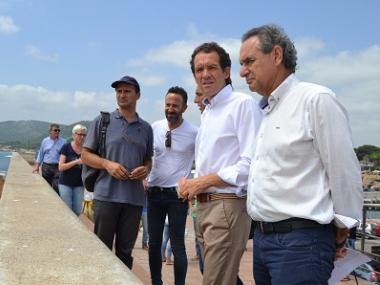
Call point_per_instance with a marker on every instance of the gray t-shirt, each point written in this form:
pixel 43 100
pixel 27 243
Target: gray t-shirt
pixel 129 144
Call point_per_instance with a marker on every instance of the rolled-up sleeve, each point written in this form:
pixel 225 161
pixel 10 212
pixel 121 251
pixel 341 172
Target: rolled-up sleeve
pixel 247 123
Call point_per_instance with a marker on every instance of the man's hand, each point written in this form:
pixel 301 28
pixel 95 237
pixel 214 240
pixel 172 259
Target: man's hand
pixel 145 184
pixel 36 168
pixel 189 188
pixel 116 170
pixel 340 241
pixel 139 173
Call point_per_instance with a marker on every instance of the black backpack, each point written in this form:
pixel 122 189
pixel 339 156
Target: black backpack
pixel 89 174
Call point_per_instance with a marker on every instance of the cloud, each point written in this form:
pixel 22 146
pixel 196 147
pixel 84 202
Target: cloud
pixel 38 54
pixel 346 67
pixel 352 74
pixel 354 77
pixel 7 26
pixel 179 53
pixel 176 53
pixel 26 102
pixel 308 47
pixel 150 80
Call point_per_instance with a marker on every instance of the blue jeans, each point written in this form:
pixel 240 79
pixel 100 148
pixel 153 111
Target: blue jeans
pixel 72 196
pixel 160 204
pixel 302 256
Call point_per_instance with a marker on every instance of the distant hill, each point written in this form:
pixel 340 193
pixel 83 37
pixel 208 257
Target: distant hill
pixel 28 134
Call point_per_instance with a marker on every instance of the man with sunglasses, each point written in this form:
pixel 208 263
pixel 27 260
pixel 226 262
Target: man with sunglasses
pixel 48 156
pixel 174 143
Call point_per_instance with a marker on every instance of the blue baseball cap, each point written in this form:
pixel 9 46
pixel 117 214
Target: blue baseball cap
pixel 128 80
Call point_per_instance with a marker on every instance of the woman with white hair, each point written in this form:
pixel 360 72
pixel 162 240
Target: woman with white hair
pixel 70 166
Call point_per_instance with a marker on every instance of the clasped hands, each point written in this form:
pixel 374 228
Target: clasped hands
pixel 120 172
pixel 189 188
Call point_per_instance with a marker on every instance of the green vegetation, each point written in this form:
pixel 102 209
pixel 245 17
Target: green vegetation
pixel 29 134
pixel 369 154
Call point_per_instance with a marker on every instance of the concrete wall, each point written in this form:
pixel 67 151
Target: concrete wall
pixel 43 242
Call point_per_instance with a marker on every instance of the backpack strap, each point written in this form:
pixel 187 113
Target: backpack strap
pixel 104 122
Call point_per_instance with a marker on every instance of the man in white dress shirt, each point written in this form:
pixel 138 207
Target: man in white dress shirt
pixel 304 189
pixel 222 159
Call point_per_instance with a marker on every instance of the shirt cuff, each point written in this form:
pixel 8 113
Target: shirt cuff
pixel 228 175
pixel 345 222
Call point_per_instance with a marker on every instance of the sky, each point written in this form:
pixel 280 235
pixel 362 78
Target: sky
pixel 58 58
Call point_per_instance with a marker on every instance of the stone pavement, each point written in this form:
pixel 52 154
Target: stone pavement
pixel 141 265
pixel 194 277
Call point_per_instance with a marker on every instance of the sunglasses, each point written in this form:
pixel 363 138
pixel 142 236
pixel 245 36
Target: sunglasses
pixel 82 135
pixel 168 139
pixel 56 130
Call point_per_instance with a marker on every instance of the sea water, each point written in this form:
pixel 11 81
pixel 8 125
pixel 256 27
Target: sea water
pixel 5 157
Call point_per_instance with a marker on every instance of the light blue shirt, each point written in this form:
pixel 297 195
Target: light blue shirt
pixel 49 150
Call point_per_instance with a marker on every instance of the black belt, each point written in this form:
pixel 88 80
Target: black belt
pixel 156 189
pixel 287 226
pixel 51 164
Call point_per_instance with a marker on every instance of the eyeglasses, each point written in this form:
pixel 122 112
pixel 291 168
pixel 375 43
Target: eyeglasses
pixel 82 135
pixel 56 130
pixel 168 139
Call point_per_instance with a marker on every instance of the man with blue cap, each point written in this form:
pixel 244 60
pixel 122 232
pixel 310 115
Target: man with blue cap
pixel 118 192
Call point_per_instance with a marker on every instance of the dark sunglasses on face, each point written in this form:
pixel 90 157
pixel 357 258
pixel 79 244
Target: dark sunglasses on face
pixel 168 139
pixel 56 130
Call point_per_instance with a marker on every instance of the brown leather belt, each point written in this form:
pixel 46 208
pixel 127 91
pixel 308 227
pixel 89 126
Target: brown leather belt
pixel 208 197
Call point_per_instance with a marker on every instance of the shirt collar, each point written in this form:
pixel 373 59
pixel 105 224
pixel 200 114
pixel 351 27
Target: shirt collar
pixel 219 97
pixel 118 115
pixel 268 103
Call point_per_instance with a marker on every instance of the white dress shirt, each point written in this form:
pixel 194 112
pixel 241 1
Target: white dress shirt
pixel 169 164
pixel 224 143
pixel 304 163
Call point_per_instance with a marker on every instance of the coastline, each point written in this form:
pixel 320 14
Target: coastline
pixel 28 155
pixel 2 181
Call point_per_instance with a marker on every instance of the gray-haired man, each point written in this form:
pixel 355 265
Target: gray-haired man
pixel 304 189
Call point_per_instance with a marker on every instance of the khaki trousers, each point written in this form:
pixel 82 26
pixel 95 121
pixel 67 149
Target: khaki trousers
pixel 223 233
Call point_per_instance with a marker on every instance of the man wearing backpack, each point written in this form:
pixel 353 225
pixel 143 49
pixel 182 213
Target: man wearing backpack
pixel 118 192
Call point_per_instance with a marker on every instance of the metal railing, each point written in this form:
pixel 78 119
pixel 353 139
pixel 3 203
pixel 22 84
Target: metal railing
pixel 374 252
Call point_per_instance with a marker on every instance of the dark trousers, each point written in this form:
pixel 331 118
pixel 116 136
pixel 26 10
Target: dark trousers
pixel 302 256
pixel 119 220
pixel 50 173
pixel 160 204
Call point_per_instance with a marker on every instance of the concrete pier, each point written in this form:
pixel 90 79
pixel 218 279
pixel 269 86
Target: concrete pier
pixel 43 242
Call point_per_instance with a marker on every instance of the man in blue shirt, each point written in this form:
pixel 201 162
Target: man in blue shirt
pixel 48 156
pixel 119 195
